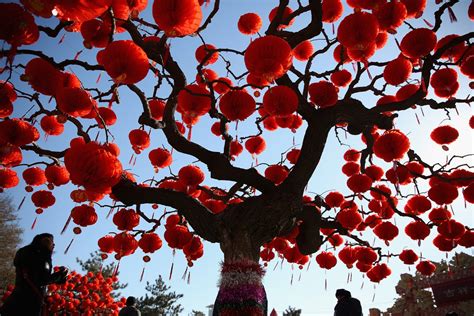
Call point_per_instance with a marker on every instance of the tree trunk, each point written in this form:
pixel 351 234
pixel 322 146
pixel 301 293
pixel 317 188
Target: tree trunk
pixel 241 291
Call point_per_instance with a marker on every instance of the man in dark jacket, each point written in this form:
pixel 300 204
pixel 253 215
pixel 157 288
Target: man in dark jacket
pixel 130 309
pixel 33 270
pixel 346 304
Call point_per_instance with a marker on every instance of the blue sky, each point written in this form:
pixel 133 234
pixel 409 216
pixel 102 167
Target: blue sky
pixel 286 285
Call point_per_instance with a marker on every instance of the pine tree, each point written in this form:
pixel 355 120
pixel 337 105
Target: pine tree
pixel 292 311
pixel 159 301
pixel 10 238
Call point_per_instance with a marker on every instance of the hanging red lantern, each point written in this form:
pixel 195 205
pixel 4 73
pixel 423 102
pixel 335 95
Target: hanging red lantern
pixel 408 256
pixel 75 102
pixel 216 128
pixel 443 243
pixel 366 255
pixel 341 78
pixel 206 77
pixel 126 219
pixel 392 145
pixel 350 168
pixel 125 244
pixel 17 26
pixel 57 175
pixel 451 229
pixel 106 115
pixel 467 239
pixel 348 256
pixel 276 173
pixel 415 168
pixel 124 61
pixel 237 105
pixel 386 231
pixel 223 85
pixel 139 139
pixel 249 23
pixel 439 215
pixel 334 199
pixel 390 16
pixel 177 19
pixel 468 193
pixel 280 101
pixel 206 52
pixel 467 63
pixel 79 12
pixel 157 108
pixel 177 236
pixel 340 54
pixel 106 244
pixel 443 193
pixel 193 249
pixel 326 260
pixel 453 53
pixel 96 33
pixel 8 179
pixel 444 82
pixel 372 220
pixel 332 10
pixel 255 145
pixel 399 175
pixel 43 199
pixel 351 155
pixel 349 219
pixel 418 43
pixel 268 57
pixel 303 50
pixel 17 132
pixel 150 242
pixel 191 175
pixel 379 272
pixel 359 183
pixel 84 215
pixel 34 176
pixel 160 158
pixel 7 97
pixel 444 134
pixel 425 267
pixel 374 172
pixel 45 9
pixel 397 71
pixel 193 101
pixel 10 156
pixel 406 91
pixel 266 254
pixel 381 40
pixel 215 206
pixel 51 126
pixel 42 76
pixel 358 30
pixel 93 166
pixel 417 204
pixel 323 93
pixel 457 176
pixel 417 230
pixel 293 155
pixel 287 11
pixel 236 148
pixel 414 8
pixel 362 54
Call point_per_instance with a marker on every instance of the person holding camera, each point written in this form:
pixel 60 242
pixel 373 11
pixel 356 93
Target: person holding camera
pixel 34 271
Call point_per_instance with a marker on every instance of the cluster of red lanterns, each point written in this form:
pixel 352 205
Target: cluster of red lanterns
pixel 178 236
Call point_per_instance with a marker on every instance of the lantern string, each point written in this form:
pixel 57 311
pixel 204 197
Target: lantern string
pixel 325 283
pixel 141 275
pixel 427 23
pixel 373 297
pixel 68 246
pixel 98 78
pixel 34 223
pixel 291 280
pixel 189 277
pixel 171 270
pixel 190 132
pixel 21 203
pixel 66 224
pixel 62 39
pixel 299 278
pixel 184 274
pixel 77 54
pixel 116 268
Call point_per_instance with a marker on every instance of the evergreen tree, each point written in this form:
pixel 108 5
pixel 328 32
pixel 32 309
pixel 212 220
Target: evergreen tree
pixel 198 313
pixel 10 239
pixel 291 311
pixel 159 301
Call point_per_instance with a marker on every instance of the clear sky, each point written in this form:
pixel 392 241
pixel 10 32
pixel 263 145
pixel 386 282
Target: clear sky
pixel 286 285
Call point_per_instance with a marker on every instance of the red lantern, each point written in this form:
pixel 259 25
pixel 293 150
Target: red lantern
pixel 392 145
pixel 372 220
pixel 236 148
pixel 332 10
pixel 43 199
pixel 406 92
pixel 334 199
pixel 444 244
pixel 379 272
pixel 84 215
pixel 93 166
pixel 468 193
pixel 340 54
pixel 293 155
pixel 124 61
pixel 408 256
pixel 17 26
pixel 267 254
pixel 178 236
pixel 10 156
pixel 348 256
pixel 237 105
pixel 268 57
pixel 445 82
pixel 414 8
pixel 349 219
pixel 34 176
pixel 443 193
pixel 425 267
pixel 467 239
pixel 42 76
pixel 125 244
pixel 191 175
pixel 106 244
pixel 386 231
pixel 276 173
pixel 157 108
pixel 418 43
pixel 451 229
pixel 350 168
pixel 439 215
pixel 8 178
pixel 57 175
pixel 444 134
pixel 51 126
pixel 160 158
pixel 177 19
pixel 106 115
pixel 359 183
pixel 96 33
pixel 453 53
pixel 139 139
pixel 126 219
pixel 322 93
pixel 326 260
pixel 206 77
pixel 193 101
pixel 287 11
pixel 249 23
pixel 417 230
pixel 17 132
pixel 150 242
pixel 75 102
pixel 467 63
pixel 7 97
pixel 397 71
pixel 223 85
pixel 303 50
pixel 255 145
pixel 358 30
pixel 280 101
pixel 341 78
pixel 390 16
pixel 374 172
pixel 366 255
pixel 417 204
pixel 381 40
pixel 194 248
pixel 206 52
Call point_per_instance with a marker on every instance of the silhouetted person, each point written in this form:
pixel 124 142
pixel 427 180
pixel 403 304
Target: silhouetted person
pixel 346 304
pixel 130 309
pixel 33 269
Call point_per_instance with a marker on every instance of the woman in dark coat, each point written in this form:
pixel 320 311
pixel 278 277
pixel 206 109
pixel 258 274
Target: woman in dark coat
pixel 346 304
pixel 33 270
